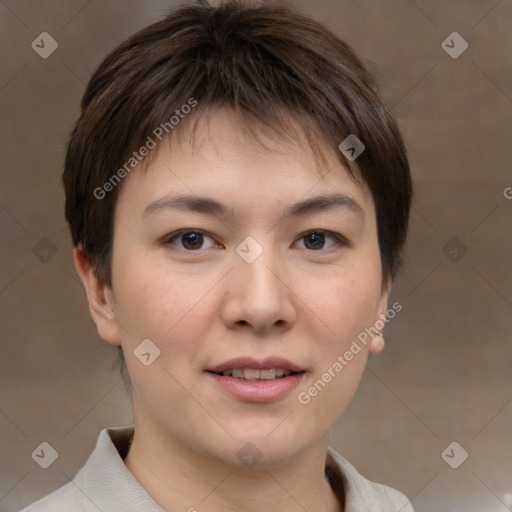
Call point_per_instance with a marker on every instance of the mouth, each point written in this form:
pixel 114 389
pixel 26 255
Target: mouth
pixel 249 368
pixel 254 374
pixel 254 380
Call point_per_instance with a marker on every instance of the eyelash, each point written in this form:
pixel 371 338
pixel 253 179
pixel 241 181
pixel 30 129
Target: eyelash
pixel 339 239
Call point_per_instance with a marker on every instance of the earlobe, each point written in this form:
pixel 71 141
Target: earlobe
pixel 377 344
pixel 99 297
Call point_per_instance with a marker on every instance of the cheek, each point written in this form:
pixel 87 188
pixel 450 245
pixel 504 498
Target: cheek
pixel 349 305
pixel 148 305
pixel 327 395
pixel 349 302
pixel 165 305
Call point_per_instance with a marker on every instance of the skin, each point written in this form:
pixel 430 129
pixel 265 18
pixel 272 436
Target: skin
pixel 204 306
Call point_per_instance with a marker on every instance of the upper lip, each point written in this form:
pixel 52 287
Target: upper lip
pixel 259 364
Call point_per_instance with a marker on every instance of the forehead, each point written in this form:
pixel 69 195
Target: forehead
pixel 224 156
pixel 223 130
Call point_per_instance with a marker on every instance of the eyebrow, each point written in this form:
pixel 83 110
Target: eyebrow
pixel 210 206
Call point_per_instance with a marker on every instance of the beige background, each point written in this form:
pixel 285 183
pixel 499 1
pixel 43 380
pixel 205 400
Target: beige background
pixel 446 372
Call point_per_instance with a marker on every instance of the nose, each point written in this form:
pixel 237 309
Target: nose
pixel 258 295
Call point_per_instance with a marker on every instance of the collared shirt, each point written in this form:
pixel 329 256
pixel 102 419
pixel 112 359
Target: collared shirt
pixel 104 484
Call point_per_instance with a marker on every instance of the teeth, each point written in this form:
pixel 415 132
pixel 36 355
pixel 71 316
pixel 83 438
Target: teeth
pixel 251 374
pixel 255 374
pixel 266 374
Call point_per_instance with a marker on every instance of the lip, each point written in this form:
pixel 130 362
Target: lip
pixel 257 390
pixel 262 364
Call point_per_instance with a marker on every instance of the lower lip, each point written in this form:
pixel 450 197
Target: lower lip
pixel 258 390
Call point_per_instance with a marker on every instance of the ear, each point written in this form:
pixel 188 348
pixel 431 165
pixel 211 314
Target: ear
pixel 100 298
pixel 377 344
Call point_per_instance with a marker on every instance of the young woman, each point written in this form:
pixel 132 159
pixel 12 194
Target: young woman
pixel 238 199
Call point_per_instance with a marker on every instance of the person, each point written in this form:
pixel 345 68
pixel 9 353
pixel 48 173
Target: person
pixel 238 199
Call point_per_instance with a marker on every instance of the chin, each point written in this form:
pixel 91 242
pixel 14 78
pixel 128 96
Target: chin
pixel 260 449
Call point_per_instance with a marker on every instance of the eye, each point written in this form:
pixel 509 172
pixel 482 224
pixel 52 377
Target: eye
pixel 191 240
pixel 316 240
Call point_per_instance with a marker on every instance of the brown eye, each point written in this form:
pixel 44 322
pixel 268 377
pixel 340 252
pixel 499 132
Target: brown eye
pixel 191 240
pixel 319 240
pixel 314 241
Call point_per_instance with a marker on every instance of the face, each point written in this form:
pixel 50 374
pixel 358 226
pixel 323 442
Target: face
pixel 276 269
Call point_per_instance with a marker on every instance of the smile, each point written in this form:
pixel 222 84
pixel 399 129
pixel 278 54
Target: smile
pixel 253 374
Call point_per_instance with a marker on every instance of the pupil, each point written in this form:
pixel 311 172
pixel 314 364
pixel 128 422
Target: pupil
pixel 317 240
pixel 191 240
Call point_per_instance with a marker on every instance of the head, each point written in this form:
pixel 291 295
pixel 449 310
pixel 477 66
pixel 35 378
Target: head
pixel 247 107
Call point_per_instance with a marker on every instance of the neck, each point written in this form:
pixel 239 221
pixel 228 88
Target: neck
pixel 190 481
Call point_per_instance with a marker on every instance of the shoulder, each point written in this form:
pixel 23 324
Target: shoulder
pixel 103 482
pixel 362 494
pixel 61 500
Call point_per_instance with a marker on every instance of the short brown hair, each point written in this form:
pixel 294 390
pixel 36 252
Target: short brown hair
pixel 267 62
